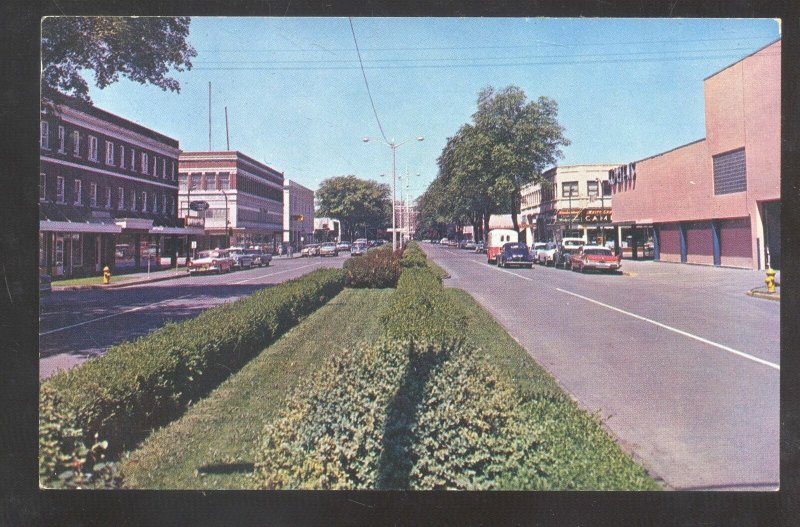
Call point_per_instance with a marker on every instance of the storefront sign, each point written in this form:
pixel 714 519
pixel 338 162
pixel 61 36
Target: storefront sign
pixel 585 216
pixel 198 206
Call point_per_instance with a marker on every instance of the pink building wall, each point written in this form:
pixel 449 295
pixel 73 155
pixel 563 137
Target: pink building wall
pixel 742 107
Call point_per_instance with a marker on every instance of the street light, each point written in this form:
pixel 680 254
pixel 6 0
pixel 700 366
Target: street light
pixel 226 217
pixel 394 146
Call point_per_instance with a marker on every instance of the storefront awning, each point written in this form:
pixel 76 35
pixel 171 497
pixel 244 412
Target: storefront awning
pixel 177 231
pixel 71 226
pixel 71 218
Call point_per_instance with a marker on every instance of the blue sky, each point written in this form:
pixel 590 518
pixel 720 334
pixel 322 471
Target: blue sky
pixel 296 97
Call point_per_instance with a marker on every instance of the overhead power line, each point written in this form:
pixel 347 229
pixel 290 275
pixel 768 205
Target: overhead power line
pixel 364 74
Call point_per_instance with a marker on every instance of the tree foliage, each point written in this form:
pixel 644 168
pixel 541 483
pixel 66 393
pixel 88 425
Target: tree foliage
pixel 357 203
pixel 483 167
pixel 142 49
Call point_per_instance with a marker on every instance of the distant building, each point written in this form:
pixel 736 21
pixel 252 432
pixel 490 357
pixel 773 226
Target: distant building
pixel 244 197
pixel 716 201
pixel 298 213
pixel 107 192
pixel 573 200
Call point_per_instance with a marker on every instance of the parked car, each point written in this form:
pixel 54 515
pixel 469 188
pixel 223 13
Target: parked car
pixel 566 249
pixel 45 283
pixel 595 257
pixel 260 258
pixel 312 249
pixel 328 249
pixel 343 246
pixel 535 249
pixel 546 254
pixel 358 249
pixel 514 254
pixel 241 260
pixel 443 241
pixel 470 245
pixel 217 260
pixel 361 240
pixel 480 247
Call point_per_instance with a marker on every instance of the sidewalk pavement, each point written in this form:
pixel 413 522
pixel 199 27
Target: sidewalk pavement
pixel 123 280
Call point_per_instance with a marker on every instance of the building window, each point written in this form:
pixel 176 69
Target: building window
pixel 606 188
pixel 108 197
pixel 133 159
pixel 569 189
pixel 730 172
pixel 194 182
pixel 76 143
pixel 122 156
pixel 155 167
pixel 211 181
pixel 61 139
pixel 172 169
pixel 223 180
pixel 92 148
pixel 44 135
pixel 93 194
pixel 120 198
pixel 42 187
pixel 109 153
pixel 144 201
pixel 182 181
pixel 155 202
pixel 591 189
pixel 77 188
pixel 145 167
pixel 171 207
pixel 77 250
pixel 59 189
pixel 163 203
pixel 164 167
pixel 133 200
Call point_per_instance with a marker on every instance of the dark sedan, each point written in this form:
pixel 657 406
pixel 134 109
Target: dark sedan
pixel 515 254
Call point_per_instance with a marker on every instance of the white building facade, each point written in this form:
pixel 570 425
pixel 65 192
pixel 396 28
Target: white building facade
pixel 298 214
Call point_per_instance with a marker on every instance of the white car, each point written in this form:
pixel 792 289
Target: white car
pixel 535 249
pixel 546 254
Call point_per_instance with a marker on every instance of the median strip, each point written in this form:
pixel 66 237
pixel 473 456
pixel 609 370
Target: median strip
pixel 273 274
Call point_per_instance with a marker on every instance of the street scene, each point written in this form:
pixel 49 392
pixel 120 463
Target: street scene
pixel 562 273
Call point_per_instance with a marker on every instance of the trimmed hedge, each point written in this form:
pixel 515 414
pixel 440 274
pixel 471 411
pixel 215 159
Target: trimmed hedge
pixel 142 384
pixel 377 268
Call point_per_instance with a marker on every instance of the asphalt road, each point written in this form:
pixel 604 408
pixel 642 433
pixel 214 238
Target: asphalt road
pixel 77 325
pixel 681 365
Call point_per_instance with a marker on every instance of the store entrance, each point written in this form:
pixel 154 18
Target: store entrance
pixel 772 233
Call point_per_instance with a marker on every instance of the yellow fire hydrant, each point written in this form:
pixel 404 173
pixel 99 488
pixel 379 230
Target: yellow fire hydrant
pixel 770 280
pixel 106 275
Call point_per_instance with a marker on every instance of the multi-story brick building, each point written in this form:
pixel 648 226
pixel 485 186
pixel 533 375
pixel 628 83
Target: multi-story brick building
pixel 716 201
pixel 245 198
pixel 107 191
pixel 298 214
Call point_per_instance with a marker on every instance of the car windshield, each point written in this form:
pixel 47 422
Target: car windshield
pixel 598 251
pixel 572 243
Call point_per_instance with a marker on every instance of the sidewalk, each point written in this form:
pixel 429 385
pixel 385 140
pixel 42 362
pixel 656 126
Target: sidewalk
pixel 144 277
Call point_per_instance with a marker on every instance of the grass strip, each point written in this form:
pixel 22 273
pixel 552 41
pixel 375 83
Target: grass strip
pixel 212 445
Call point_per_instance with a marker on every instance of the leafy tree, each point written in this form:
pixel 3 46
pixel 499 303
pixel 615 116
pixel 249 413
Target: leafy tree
pixel 142 49
pixel 524 137
pixel 357 203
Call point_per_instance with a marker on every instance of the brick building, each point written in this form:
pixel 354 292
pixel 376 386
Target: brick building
pixel 716 201
pixel 245 198
pixel 107 192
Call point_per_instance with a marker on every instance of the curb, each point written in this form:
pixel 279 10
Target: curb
pixel 118 284
pixel 763 294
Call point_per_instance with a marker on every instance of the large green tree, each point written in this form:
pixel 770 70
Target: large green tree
pixel 525 138
pixel 358 204
pixel 142 49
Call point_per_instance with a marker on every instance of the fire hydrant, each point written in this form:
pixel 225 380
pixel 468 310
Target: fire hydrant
pixel 770 280
pixel 106 275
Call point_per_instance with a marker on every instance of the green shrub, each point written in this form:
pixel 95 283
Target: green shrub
pixel 377 268
pixel 413 256
pixel 145 383
pixel 65 461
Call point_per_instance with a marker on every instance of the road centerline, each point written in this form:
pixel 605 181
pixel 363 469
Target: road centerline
pixel 675 330
pixel 528 278
pixel 111 316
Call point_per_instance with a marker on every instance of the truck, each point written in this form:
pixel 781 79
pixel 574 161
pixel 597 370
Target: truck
pixel 495 241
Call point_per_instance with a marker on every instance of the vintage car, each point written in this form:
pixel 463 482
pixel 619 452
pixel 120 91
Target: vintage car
pixel 217 261
pixel 260 257
pixel 328 249
pixel 343 246
pixel 535 249
pixel 241 258
pixel 312 249
pixel 515 254
pixel 358 249
pixel 566 249
pixel 496 239
pixel 480 247
pixel 595 257
pixel 545 255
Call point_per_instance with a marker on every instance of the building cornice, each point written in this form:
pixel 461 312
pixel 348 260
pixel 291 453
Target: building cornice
pixel 174 186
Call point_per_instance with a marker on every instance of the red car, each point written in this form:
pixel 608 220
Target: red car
pixel 218 261
pixel 595 257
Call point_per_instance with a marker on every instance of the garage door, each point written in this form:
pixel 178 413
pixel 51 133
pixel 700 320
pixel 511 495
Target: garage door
pixel 699 243
pixel 735 242
pixel 669 242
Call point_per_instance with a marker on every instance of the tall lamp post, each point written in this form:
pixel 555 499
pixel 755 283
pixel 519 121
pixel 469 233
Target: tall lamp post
pixel 227 234
pixel 394 146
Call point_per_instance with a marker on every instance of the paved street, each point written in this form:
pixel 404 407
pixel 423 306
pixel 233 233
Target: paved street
pixel 682 365
pixel 76 325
